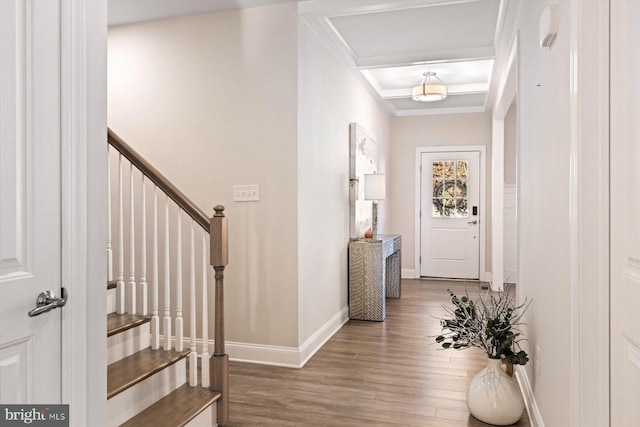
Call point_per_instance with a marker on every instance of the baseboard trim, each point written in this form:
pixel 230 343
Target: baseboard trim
pixel 288 357
pixel 408 273
pixel 535 417
pixel 322 335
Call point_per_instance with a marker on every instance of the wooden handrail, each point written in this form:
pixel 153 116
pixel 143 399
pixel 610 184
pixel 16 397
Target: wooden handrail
pixel 159 180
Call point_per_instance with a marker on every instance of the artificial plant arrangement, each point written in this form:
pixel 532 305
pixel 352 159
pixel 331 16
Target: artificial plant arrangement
pixel 491 322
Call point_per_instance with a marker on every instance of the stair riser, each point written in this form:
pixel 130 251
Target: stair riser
pixel 128 342
pixel 133 400
pixel 206 418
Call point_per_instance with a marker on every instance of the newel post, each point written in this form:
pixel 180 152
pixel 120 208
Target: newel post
pixel 219 362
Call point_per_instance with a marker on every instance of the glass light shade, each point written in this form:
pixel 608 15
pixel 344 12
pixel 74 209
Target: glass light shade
pixel 374 187
pixel 431 89
pixel 429 92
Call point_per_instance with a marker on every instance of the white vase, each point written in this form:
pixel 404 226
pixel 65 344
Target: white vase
pixel 494 397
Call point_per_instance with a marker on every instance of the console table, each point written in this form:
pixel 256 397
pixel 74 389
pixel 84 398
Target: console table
pixel 374 274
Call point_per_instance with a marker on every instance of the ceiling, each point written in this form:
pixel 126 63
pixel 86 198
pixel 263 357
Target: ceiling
pixel 130 11
pixel 388 44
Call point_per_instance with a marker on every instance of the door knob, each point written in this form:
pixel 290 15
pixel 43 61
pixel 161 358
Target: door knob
pixel 47 301
pixel 474 222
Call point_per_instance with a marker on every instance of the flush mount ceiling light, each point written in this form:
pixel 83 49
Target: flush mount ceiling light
pixel 431 89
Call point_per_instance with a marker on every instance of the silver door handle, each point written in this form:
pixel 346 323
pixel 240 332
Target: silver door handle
pixel 47 301
pixel 474 222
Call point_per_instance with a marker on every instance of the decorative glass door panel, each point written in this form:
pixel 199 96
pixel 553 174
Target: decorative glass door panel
pixel 450 189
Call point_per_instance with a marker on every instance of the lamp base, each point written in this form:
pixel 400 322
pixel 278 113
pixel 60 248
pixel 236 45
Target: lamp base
pixel 374 220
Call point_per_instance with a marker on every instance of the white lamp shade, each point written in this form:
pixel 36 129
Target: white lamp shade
pixel 429 92
pixel 431 89
pixel 374 187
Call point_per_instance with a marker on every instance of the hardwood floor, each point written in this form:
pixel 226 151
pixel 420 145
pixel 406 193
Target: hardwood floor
pixel 370 373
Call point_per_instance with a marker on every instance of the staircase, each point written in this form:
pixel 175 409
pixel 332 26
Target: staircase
pixel 152 380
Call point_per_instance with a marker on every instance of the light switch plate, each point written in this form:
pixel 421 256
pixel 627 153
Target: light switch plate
pixel 246 193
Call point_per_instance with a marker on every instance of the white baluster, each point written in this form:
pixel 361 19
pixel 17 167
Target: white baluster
pixel 143 250
pixel 109 248
pixel 167 286
pixel 155 319
pixel 120 290
pixel 179 326
pixel 193 356
pixel 132 245
pixel 205 315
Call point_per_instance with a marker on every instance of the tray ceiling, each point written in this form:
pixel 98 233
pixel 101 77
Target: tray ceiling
pixel 389 45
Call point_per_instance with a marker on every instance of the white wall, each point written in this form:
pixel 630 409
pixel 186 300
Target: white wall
pixel 329 98
pixel 510 221
pixel 510 197
pixel 543 209
pixel 211 101
pixel 408 133
pixel 510 145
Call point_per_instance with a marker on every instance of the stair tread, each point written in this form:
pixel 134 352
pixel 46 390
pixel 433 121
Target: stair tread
pixel 117 323
pixel 175 409
pixel 127 372
pixel 112 284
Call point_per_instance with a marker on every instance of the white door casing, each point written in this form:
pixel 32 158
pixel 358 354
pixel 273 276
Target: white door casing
pixel 30 200
pixel 625 213
pixel 450 215
pixel 84 207
pixel 510 233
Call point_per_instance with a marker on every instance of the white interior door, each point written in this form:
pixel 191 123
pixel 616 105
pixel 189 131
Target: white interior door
pixel 30 347
pixel 625 213
pixel 450 215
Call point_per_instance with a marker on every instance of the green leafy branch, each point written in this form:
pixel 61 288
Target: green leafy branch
pixel 491 323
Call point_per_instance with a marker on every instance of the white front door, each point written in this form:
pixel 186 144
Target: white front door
pixel 450 215
pixel 625 213
pixel 30 347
